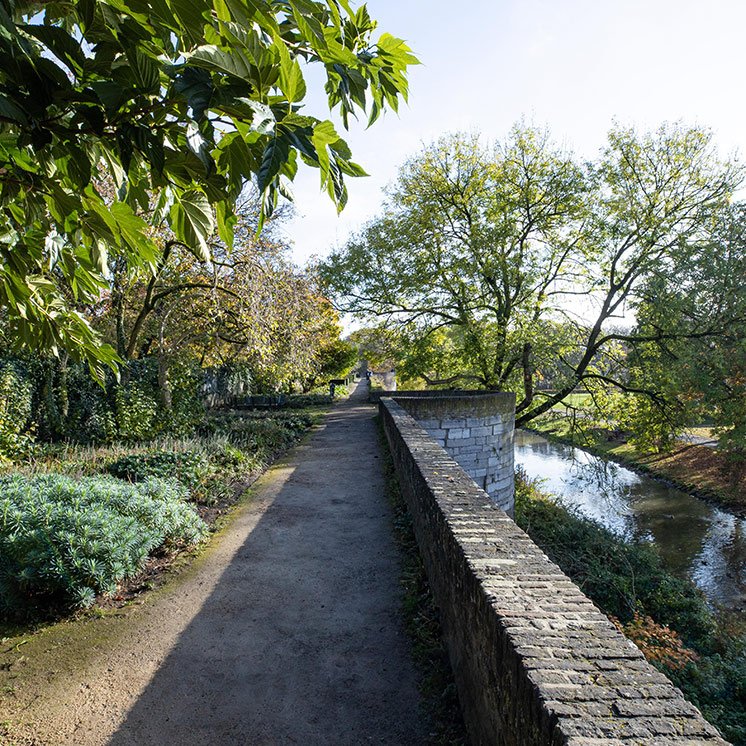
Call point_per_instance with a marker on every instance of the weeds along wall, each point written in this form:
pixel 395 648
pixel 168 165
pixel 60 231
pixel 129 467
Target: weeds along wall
pixel 535 662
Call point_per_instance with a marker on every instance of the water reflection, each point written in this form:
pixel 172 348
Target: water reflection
pixel 694 538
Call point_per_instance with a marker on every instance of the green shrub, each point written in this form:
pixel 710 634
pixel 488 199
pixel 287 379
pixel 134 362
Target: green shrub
pixel 63 541
pixel 136 412
pixel 301 401
pixel 262 433
pixel 16 397
pixel 186 466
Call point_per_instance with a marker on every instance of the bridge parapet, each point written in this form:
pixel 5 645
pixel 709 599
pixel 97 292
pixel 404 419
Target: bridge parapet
pixel 535 662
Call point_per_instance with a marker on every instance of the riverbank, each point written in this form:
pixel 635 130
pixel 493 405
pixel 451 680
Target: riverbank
pixel 696 469
pixel 700 650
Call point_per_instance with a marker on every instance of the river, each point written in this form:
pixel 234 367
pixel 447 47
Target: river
pixel 695 539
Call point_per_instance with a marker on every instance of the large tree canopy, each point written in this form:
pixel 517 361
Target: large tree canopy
pixel 177 103
pixel 533 257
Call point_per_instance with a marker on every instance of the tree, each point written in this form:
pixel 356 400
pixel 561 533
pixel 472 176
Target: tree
pixel 178 103
pixel 250 305
pixel 511 243
pixel 703 367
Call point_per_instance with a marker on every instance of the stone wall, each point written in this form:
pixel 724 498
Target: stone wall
pixel 535 662
pixel 476 429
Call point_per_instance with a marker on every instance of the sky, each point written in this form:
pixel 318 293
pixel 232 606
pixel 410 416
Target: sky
pixel 573 66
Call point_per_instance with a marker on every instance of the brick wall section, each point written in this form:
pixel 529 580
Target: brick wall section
pixel 477 431
pixel 535 663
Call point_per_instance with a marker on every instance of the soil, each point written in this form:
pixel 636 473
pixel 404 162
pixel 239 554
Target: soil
pixel 286 629
pixel 701 469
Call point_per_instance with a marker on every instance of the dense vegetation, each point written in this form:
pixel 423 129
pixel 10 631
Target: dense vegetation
pixel 702 652
pixel 79 522
pixel 129 131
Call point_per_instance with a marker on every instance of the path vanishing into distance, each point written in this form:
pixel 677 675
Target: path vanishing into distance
pixel 287 630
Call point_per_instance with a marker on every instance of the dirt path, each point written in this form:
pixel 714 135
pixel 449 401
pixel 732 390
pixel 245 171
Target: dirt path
pixel 287 631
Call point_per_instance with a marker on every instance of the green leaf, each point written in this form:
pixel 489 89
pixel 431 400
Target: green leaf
pixel 146 71
pixel 60 43
pixel 233 63
pixel 9 110
pixel 192 221
pixel 275 156
pixel 196 86
pixel 226 222
pixel 292 83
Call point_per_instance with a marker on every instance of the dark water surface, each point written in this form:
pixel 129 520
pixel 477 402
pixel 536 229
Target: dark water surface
pixel 695 539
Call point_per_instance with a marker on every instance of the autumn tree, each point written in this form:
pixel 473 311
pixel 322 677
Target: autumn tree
pixel 249 304
pixel 509 243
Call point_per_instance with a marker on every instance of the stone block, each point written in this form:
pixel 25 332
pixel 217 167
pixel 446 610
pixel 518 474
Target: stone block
pixel 481 431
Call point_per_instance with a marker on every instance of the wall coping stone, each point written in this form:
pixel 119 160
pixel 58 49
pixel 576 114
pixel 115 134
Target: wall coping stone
pixel 453 405
pixel 535 662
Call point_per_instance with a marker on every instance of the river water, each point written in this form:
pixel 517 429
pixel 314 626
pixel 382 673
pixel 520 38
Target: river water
pixel 695 539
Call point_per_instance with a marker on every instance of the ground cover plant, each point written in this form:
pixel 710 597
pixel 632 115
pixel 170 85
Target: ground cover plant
pixel 702 651
pixel 82 523
pixel 189 465
pixel 64 541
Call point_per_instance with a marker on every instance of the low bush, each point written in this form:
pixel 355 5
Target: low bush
pixel 702 652
pixel 63 541
pixel 189 467
pixel 262 433
pixel 301 401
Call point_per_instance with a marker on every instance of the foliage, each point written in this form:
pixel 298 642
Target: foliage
pixel 69 405
pixel 335 359
pixel 304 401
pixel 262 433
pixel 188 466
pixel 702 653
pixel 659 643
pixel 707 370
pixel 135 412
pixel 63 541
pixel 117 117
pixel 16 394
pixel 504 247
pixel 249 310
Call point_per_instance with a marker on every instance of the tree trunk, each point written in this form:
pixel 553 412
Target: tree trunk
pixel 164 384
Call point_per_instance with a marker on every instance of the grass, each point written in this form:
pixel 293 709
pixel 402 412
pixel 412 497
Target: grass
pixel 699 470
pixel 422 623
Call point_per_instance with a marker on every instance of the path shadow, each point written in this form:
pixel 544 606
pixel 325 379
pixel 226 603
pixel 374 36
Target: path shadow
pixel 301 640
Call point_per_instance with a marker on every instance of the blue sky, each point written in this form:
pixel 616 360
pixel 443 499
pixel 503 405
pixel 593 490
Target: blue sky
pixel 574 66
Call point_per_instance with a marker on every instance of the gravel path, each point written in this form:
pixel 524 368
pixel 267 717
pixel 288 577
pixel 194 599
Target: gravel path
pixel 287 632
